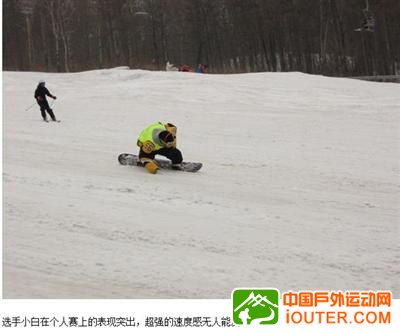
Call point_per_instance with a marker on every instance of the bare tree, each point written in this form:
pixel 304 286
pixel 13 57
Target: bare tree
pixel 229 35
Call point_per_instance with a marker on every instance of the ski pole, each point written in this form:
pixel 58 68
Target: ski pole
pixel 30 106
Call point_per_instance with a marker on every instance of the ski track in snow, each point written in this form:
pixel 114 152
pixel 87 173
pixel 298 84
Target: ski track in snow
pixel 299 188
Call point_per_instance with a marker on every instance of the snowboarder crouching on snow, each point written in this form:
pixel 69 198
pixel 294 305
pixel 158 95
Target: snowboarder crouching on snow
pixel 40 94
pixel 158 139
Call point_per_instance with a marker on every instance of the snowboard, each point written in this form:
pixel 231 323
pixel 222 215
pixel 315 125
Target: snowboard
pixel 131 159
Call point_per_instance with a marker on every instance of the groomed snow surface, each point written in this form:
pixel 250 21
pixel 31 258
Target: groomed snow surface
pixel 299 188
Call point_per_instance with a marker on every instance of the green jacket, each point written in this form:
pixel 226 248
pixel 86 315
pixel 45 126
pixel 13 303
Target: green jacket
pixel 148 139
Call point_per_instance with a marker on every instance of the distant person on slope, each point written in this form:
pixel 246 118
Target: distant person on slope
pixel 40 94
pixel 185 68
pixel 201 68
pixel 158 139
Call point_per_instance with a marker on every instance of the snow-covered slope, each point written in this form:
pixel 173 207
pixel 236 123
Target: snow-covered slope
pixel 299 189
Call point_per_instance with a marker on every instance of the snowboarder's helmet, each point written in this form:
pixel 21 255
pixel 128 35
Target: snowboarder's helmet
pixel 166 137
pixel 42 83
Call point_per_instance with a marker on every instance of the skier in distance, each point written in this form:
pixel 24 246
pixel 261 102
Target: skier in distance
pixel 40 95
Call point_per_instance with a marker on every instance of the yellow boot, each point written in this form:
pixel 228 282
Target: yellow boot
pixel 151 167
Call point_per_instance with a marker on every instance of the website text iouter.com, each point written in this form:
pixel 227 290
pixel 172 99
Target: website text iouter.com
pixel 337 317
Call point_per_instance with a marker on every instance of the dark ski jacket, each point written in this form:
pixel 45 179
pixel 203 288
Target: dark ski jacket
pixel 41 93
